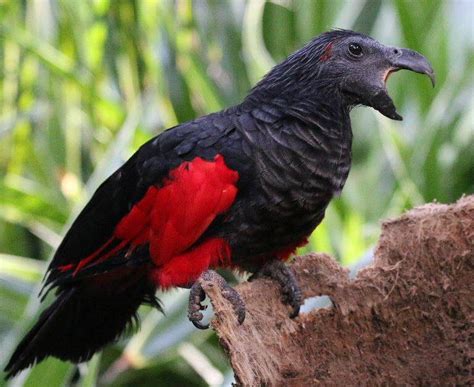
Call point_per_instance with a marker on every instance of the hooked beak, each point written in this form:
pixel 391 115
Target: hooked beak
pixel 401 59
pixel 410 60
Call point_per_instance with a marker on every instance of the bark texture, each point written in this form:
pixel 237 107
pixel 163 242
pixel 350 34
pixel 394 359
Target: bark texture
pixel 406 319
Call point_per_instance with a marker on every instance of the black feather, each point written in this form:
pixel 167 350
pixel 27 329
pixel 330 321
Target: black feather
pixel 79 323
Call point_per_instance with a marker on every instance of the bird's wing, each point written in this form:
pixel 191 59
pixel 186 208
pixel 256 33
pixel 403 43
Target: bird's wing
pixel 162 199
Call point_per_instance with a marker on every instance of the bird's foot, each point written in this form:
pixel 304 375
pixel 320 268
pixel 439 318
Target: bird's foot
pixel 281 273
pixel 197 295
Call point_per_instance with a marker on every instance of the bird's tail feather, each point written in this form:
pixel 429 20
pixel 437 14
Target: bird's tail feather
pixel 79 323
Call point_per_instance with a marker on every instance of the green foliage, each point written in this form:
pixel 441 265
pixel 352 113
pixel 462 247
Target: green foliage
pixel 84 83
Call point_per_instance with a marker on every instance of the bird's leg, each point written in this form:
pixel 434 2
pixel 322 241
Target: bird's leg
pixel 281 273
pixel 197 295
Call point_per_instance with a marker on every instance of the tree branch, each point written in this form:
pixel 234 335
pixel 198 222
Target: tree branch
pixel 407 319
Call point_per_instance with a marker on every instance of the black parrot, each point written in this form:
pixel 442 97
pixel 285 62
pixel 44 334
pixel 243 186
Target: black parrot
pixel 241 189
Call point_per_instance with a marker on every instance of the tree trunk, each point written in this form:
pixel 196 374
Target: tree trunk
pixel 406 319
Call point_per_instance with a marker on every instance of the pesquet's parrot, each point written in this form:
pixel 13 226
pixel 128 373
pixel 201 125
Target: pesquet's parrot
pixel 240 189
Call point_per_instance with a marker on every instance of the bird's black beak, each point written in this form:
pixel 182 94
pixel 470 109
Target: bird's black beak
pixel 400 59
pixel 411 60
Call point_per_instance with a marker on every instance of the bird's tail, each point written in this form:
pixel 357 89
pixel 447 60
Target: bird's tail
pixel 79 323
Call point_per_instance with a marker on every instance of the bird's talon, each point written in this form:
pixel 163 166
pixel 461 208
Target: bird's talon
pixel 291 292
pixel 197 295
pixel 238 304
pixel 195 317
pixel 198 325
pixel 295 312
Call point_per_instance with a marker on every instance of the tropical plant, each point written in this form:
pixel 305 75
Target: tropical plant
pixel 84 83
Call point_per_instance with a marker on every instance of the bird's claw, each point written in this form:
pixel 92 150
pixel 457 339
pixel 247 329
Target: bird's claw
pixel 281 273
pixel 231 295
pixel 197 295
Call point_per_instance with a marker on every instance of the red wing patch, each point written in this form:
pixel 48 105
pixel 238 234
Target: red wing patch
pixel 184 269
pixel 285 253
pixel 196 193
pixel 172 218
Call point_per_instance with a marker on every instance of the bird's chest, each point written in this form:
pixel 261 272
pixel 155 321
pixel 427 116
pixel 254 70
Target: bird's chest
pixel 301 173
pixel 294 180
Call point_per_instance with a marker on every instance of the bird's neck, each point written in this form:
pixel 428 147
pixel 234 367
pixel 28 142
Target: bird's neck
pixel 309 138
pixel 306 94
pixel 319 108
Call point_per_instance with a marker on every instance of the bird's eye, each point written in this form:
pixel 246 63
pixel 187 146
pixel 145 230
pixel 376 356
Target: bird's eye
pixel 355 49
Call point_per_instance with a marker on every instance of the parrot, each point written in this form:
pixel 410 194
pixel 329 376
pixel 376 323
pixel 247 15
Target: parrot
pixel 240 189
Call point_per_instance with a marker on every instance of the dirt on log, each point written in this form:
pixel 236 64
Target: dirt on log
pixel 407 319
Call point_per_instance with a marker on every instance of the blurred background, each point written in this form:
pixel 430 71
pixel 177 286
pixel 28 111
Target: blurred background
pixel 84 83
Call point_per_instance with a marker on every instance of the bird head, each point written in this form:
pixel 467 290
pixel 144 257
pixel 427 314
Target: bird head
pixel 361 66
pixel 340 63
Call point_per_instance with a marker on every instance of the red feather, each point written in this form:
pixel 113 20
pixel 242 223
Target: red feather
pixel 184 269
pixel 327 52
pixel 172 218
